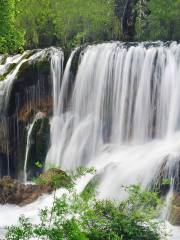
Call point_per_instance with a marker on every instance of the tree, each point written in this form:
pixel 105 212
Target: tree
pixel 74 217
pixel 67 22
pixel 163 22
pixel 129 20
pixel 11 40
pixel 142 14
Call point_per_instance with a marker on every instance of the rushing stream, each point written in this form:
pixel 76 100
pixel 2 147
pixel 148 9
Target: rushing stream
pixel 121 114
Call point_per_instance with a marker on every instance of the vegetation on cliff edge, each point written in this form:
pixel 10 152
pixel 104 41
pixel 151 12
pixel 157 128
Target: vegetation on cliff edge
pixel 35 23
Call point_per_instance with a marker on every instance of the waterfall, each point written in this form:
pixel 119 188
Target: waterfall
pixel 56 123
pixel 122 116
pixel 119 112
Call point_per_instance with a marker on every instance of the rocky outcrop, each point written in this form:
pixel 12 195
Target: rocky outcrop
pixel 30 92
pixel 14 192
pixel 39 139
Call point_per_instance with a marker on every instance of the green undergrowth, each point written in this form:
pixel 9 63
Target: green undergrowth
pixel 83 217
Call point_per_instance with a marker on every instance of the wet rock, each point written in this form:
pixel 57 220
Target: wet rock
pixel 30 93
pixel 39 145
pixel 14 192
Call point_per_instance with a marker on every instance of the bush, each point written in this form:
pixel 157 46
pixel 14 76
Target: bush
pixel 74 218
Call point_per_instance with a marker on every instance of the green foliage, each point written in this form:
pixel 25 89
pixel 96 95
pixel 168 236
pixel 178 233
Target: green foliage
pixel 162 22
pixel 54 178
pixel 38 164
pixel 91 189
pixel 81 171
pixel 74 218
pixel 67 22
pixel 11 39
pixel 142 13
pixel 166 182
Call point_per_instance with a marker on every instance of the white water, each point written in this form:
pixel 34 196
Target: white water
pixel 123 118
pixel 9 214
pixel 57 60
pixel 121 98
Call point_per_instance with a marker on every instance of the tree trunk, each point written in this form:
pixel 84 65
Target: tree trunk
pixel 129 20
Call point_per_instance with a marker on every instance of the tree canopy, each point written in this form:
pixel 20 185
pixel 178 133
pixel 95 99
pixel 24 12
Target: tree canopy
pixel 66 23
pixel 11 39
pixel 159 20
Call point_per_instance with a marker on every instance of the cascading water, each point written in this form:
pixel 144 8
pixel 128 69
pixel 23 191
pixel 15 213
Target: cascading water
pixel 57 61
pixel 56 127
pixel 122 116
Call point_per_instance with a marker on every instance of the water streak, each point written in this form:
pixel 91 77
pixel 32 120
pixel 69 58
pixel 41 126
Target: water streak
pixel 28 143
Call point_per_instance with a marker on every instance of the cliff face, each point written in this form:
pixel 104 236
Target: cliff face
pixel 25 91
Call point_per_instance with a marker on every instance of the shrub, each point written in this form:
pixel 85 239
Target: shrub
pixel 74 218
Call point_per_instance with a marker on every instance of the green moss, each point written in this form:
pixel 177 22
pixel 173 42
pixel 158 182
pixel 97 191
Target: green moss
pixel 9 70
pixel 3 61
pixel 42 66
pixel 55 178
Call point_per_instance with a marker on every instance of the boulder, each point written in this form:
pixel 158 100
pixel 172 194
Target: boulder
pixel 13 191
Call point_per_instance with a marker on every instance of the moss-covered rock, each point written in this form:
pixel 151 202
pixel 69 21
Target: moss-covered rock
pixel 29 93
pixel 55 178
pixel 3 59
pixel 9 69
pixel 175 211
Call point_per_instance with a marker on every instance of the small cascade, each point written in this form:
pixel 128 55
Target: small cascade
pixel 56 123
pixel 28 143
pixel 57 60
